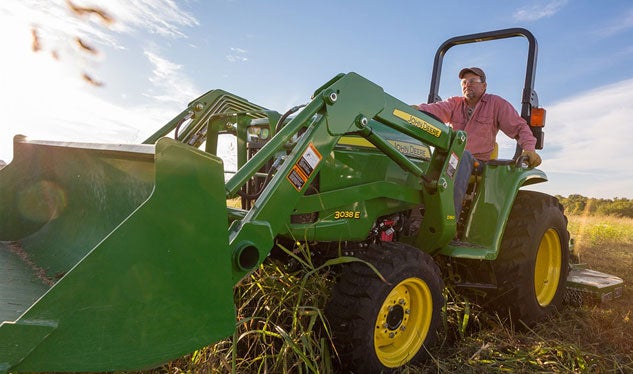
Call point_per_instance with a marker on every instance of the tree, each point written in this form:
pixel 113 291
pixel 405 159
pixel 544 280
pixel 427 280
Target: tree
pixel 620 207
pixel 580 205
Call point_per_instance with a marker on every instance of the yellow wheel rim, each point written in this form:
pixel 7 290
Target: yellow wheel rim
pixel 547 268
pixel 403 322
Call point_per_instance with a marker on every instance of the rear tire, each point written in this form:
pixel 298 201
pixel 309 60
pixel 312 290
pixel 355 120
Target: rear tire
pixel 533 263
pixel 378 326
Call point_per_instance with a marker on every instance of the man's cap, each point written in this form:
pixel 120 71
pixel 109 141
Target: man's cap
pixel 476 71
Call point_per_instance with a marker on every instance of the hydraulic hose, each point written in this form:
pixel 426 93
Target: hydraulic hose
pixel 283 118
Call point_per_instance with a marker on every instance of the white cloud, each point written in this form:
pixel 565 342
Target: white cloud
pixel 162 17
pixel 58 25
pixel 618 25
pixel 589 143
pixel 539 10
pixel 237 55
pixel 170 83
pixel 44 98
pixel 43 101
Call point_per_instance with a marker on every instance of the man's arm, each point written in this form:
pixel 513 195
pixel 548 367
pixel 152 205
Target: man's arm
pixel 441 109
pixel 514 126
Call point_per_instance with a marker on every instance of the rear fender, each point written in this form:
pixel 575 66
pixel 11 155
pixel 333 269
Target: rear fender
pixel 485 224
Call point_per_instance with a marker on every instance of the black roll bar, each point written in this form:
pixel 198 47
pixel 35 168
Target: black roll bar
pixel 529 98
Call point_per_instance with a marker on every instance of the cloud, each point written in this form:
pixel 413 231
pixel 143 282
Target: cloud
pixel 40 101
pixel 59 25
pixel 597 121
pixel 162 17
pixel 169 82
pixel 589 143
pixel 46 99
pixel 539 10
pixel 237 55
pixel 618 25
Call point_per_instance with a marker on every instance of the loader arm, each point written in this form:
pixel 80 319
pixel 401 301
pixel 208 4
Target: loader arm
pixel 342 107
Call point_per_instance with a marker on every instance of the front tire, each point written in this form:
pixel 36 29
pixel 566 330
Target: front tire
pixel 533 263
pixel 378 326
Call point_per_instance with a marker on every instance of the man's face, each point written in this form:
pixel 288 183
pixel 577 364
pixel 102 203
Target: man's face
pixel 472 86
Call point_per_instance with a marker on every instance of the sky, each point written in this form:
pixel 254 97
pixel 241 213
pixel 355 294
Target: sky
pixel 119 75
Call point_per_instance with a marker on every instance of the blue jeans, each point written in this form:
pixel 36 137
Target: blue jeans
pixel 464 170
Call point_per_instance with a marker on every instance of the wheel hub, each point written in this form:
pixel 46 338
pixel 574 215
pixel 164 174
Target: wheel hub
pixel 395 317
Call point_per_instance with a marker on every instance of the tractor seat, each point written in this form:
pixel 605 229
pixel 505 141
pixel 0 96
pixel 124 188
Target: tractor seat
pixel 495 152
pixel 494 158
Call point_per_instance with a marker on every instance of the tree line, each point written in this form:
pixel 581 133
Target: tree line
pixel 578 205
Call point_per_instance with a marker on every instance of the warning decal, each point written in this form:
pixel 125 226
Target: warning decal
pixel 453 161
pixel 296 179
pixel 304 167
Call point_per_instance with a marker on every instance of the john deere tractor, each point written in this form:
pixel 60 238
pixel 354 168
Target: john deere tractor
pixel 123 257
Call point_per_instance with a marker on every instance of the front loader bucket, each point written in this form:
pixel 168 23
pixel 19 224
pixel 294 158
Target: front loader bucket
pixel 111 257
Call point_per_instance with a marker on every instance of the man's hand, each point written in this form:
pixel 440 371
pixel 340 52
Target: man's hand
pixel 534 159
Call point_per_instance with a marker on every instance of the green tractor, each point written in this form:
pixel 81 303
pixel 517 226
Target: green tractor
pixel 123 257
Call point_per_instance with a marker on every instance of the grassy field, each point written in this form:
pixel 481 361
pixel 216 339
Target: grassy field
pixel 587 339
pixel 282 328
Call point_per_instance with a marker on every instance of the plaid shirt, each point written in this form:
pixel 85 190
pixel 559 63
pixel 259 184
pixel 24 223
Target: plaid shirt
pixel 492 113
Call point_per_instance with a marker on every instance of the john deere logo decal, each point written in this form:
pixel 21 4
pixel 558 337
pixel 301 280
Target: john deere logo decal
pixel 418 122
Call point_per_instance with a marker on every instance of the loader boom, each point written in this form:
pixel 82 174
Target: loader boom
pixel 343 107
pixel 347 104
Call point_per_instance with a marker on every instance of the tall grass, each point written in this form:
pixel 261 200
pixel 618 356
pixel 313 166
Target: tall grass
pixel 605 243
pixel 590 231
pixel 282 329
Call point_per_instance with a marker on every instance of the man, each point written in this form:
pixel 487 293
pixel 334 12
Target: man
pixel 481 115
